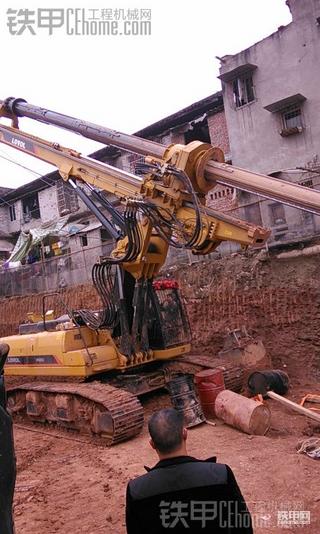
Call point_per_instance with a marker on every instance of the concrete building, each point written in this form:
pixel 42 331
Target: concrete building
pixel 272 106
pixel 66 255
pixel 46 200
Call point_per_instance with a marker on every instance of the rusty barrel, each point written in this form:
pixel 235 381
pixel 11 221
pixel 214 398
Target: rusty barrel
pixel 240 412
pixel 184 399
pixel 209 383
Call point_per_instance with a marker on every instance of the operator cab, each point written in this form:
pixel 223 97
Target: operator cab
pixel 169 324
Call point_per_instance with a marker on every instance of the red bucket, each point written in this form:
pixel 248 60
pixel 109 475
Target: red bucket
pixel 209 384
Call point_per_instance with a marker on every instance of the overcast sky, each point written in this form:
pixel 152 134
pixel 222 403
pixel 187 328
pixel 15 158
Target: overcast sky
pixel 123 82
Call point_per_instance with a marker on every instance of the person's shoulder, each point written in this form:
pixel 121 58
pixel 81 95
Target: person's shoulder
pixel 225 468
pixel 218 470
pixel 192 473
pixel 134 481
pixel 140 479
pixel 140 484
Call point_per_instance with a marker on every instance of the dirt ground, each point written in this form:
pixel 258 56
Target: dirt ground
pixel 69 486
pixel 65 485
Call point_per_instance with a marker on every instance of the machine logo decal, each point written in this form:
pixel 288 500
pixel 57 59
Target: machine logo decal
pixel 31 360
pixel 17 141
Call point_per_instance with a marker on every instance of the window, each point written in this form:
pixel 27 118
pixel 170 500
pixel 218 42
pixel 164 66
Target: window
pixel 106 242
pixel 12 212
pixel 289 110
pixel 105 236
pixel 30 207
pixel 307 217
pixel 277 214
pixel 243 92
pixel 198 131
pixel 67 198
pixel 226 192
pixel 253 213
pixel 84 240
pixel 292 118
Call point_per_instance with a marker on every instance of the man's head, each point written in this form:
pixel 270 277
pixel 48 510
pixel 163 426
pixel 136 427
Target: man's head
pixel 167 432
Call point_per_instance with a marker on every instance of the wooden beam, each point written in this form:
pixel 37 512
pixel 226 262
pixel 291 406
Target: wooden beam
pixel 294 406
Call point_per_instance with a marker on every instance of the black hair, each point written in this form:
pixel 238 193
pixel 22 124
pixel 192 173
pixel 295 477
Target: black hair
pixel 166 429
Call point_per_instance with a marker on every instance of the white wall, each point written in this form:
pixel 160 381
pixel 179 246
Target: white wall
pixel 288 62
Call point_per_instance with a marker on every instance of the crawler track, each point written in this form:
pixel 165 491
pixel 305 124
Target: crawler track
pixel 99 409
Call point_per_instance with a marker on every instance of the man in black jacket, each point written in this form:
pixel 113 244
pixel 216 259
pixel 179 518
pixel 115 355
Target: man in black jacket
pixel 7 456
pixel 181 493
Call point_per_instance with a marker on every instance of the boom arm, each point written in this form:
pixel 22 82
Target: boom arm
pixel 172 213
pixel 215 171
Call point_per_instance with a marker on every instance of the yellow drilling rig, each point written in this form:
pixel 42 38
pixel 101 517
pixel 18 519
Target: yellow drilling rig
pixel 142 323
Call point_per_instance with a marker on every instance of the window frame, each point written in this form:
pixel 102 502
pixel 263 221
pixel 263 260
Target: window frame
pixel 31 211
pixel 291 110
pixel 12 212
pixel 272 216
pixel 84 240
pixel 243 78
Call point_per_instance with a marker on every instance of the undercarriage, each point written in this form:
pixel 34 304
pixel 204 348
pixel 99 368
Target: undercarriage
pixel 108 405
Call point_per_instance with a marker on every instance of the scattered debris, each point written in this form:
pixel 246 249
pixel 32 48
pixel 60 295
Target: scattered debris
pixel 211 423
pixel 310 447
pixel 294 406
pixel 311 398
pixel 311 428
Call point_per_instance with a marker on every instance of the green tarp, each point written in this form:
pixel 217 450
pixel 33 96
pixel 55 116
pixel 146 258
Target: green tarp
pixel 34 236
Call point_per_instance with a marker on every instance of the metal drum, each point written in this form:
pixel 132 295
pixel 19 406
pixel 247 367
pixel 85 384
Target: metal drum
pixel 264 381
pixel 184 399
pixel 209 383
pixel 243 413
pixel 213 376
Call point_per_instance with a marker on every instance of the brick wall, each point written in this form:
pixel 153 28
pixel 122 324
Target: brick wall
pixel 278 300
pixel 222 198
pixel 13 311
pixel 218 131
